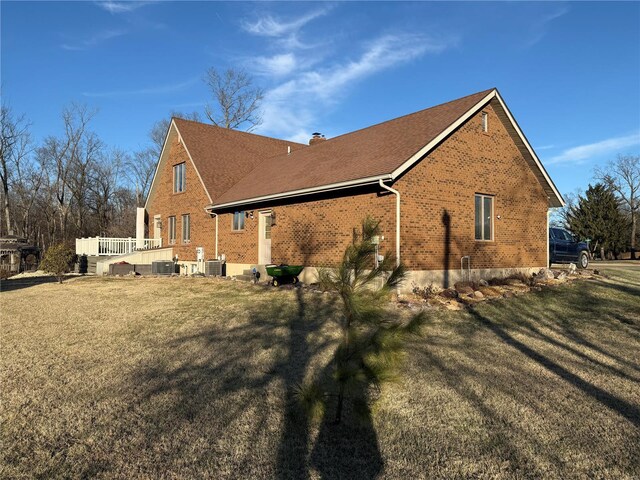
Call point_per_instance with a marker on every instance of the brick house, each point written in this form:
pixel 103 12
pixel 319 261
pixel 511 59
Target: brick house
pixel 456 180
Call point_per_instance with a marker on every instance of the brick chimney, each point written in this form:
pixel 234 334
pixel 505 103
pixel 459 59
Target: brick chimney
pixel 316 138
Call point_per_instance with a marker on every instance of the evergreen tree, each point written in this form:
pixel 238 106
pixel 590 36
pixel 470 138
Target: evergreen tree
pixel 597 217
pixel 372 337
pixel 58 260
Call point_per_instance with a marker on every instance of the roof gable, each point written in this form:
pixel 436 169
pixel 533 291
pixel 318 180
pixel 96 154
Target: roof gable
pixel 223 156
pixel 220 156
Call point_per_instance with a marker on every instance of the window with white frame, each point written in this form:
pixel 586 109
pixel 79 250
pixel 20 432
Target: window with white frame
pixel 172 230
pixel 484 217
pixel 179 178
pixel 186 228
pixel 485 122
pixel 238 221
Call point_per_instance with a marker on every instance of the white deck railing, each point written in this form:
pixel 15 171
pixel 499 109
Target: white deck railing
pixel 113 246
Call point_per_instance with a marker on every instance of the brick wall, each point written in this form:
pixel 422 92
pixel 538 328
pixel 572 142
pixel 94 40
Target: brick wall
pixel 471 161
pixel 309 233
pixel 192 201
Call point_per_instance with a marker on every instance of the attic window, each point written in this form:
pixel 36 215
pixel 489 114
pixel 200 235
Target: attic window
pixel 485 122
pixel 179 178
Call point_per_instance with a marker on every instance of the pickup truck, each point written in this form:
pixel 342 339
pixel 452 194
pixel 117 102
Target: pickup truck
pixel 565 248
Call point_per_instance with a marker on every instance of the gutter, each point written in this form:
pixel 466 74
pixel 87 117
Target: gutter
pixel 397 194
pixel 305 191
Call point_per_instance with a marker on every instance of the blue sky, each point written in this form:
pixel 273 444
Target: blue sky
pixel 570 72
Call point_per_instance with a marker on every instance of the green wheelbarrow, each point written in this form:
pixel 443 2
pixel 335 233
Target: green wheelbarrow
pixel 284 273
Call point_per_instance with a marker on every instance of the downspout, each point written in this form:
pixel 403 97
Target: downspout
pixel 397 194
pixel 216 216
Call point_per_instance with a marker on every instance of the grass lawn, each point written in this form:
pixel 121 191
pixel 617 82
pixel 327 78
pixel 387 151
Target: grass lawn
pixel 178 378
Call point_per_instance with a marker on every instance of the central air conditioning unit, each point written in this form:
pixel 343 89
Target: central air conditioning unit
pixel 162 267
pixel 215 268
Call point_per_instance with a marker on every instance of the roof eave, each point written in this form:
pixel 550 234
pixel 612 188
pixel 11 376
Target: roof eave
pixel 301 192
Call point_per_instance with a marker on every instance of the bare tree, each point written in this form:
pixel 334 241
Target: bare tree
pixel 65 157
pixel 140 169
pixel 159 130
pixel 106 180
pixel 622 175
pixel 14 147
pixel 236 100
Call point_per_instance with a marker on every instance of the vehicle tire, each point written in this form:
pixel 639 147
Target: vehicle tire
pixel 275 283
pixel 583 260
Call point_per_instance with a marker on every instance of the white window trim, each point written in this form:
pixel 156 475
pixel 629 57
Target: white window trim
pixel 182 167
pixel 242 215
pixel 172 229
pixel 188 216
pixel 491 222
pixel 485 122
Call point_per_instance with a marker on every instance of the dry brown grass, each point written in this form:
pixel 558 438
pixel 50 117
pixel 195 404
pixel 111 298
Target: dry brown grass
pixel 184 378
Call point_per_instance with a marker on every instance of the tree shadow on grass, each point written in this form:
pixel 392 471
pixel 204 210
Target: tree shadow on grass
pixel 549 366
pixel 10 284
pixel 345 450
pixel 219 401
pixel 628 410
pixel 348 449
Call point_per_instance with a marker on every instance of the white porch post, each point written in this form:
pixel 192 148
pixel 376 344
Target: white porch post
pixel 140 228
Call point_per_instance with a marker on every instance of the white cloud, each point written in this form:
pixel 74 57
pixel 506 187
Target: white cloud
pixel 583 153
pixel 121 7
pixel 277 65
pixel 94 40
pixel 291 108
pixel 268 26
pixel 155 90
pixel 540 27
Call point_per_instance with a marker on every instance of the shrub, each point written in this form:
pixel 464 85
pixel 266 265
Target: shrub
pixel 425 292
pixel 58 260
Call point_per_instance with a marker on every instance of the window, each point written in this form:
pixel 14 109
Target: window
pixel 172 230
pixel 179 178
pixel 267 227
pixel 484 217
pixel 485 122
pixel 186 228
pixel 238 221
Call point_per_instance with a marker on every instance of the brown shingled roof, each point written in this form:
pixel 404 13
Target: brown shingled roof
pixel 369 152
pixel 224 156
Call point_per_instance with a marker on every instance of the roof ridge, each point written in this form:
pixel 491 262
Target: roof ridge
pixel 413 113
pixel 237 131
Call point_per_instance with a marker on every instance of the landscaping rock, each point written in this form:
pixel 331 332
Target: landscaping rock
pixel 478 294
pixel 464 290
pixel 491 292
pixel 544 275
pixel 562 276
pixel 572 269
pixel 483 283
pixel 516 282
pixel 449 293
pixel 454 305
pixel 508 294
